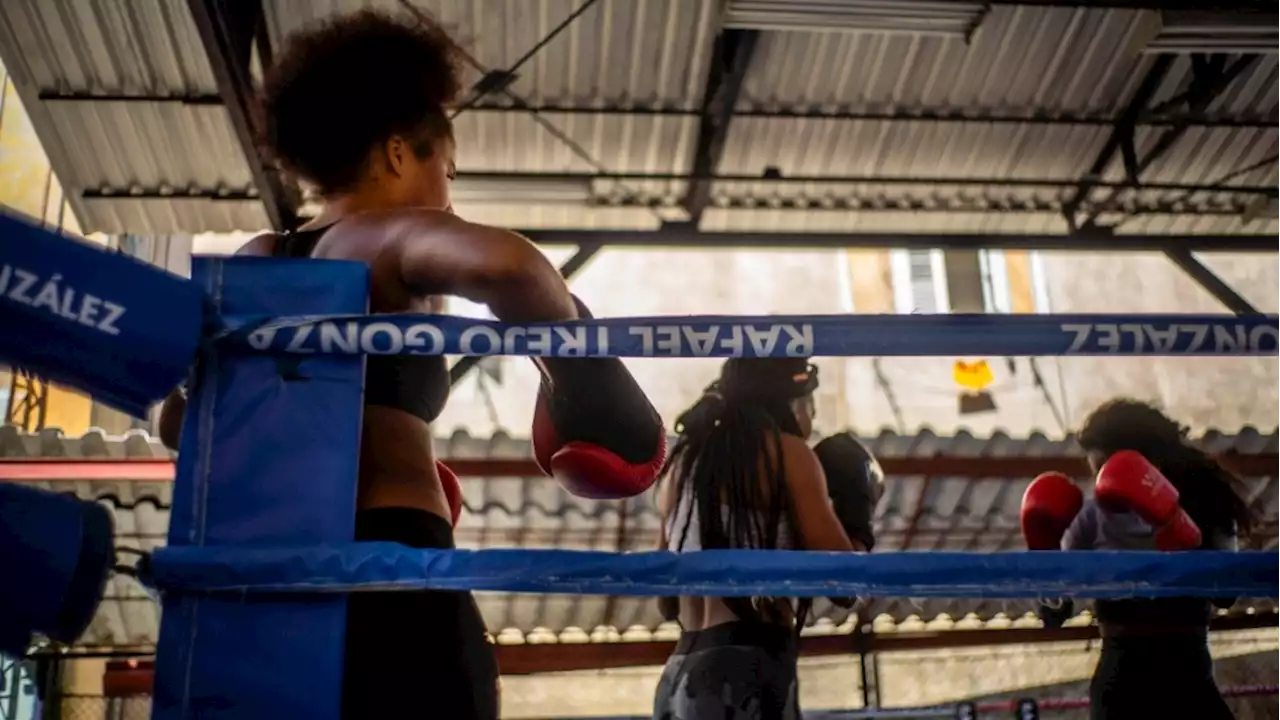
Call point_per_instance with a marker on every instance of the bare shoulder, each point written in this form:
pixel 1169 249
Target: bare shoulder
pixel 803 471
pixel 416 224
pixel 263 245
pixel 797 454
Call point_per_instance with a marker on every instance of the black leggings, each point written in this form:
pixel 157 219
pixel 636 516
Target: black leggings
pixel 416 654
pixel 736 670
pixel 1157 676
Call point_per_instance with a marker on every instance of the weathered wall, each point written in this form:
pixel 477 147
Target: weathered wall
pixel 1225 393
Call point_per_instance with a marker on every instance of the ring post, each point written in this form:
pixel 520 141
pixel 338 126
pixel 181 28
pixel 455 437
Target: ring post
pixel 269 456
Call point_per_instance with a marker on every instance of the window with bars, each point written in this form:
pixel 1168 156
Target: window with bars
pixel 961 281
pixel 925 294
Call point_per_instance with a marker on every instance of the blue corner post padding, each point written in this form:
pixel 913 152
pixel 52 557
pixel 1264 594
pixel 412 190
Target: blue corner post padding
pixel 56 552
pixel 115 327
pixel 269 456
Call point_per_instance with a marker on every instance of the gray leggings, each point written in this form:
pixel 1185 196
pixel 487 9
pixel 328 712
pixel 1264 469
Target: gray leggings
pixel 735 671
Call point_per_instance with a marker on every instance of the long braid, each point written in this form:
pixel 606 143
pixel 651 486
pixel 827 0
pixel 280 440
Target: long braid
pixel 725 441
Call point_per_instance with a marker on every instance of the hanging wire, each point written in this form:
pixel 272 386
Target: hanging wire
pixel 479 94
pixel 551 128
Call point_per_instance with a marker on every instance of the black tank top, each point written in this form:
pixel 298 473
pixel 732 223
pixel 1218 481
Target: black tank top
pixel 416 384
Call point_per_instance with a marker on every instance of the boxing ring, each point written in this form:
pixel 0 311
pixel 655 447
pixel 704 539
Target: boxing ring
pixel 259 558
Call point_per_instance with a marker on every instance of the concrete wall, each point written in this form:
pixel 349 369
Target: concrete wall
pixel 1224 393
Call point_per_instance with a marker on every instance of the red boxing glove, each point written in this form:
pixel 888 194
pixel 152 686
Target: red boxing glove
pixel 593 428
pixel 452 490
pixel 1179 533
pixel 1049 505
pixel 1128 482
pixel 588 470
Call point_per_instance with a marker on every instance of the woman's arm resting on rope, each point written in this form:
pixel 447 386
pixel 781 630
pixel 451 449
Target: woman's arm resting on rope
pixel 594 429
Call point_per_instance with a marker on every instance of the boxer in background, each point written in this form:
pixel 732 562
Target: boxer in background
pixel 1154 491
pixel 356 107
pixel 742 476
pixel 855 483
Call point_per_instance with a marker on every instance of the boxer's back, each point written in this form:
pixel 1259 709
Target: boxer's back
pixel 403 394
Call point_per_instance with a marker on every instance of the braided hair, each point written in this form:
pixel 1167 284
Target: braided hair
pixel 1208 492
pixel 724 441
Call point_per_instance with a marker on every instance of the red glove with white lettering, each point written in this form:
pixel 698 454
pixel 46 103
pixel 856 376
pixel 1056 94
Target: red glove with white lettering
pixel 1049 505
pixel 452 490
pixel 1128 482
pixel 593 428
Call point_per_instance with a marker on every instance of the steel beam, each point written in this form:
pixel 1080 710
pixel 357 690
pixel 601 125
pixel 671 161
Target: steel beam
pixel 1093 242
pixel 1121 134
pixel 981 116
pixel 782 179
pixel 1211 76
pixel 228 29
pixel 67 96
pixel 988 203
pixel 1212 284
pixel 1248 7
pixel 1192 199
pixel 730 62
pixel 1032 116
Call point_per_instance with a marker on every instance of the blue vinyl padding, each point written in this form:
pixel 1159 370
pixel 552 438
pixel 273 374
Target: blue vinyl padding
pixel 120 329
pixel 269 455
pixel 56 550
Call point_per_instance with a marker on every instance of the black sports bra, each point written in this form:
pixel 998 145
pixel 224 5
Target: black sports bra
pixel 416 384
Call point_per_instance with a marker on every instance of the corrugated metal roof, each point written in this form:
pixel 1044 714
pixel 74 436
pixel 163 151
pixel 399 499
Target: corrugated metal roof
pixel 645 53
pixel 1082 61
pixel 153 49
pixel 949 514
pixel 1021 59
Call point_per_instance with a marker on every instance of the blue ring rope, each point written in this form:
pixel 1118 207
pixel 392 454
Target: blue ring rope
pixel 355 567
pixel 765 336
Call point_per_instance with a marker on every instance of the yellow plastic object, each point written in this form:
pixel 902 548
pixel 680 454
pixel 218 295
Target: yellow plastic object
pixel 972 375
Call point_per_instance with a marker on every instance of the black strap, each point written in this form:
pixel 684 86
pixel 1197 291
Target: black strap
pixel 283 244
pixel 291 244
